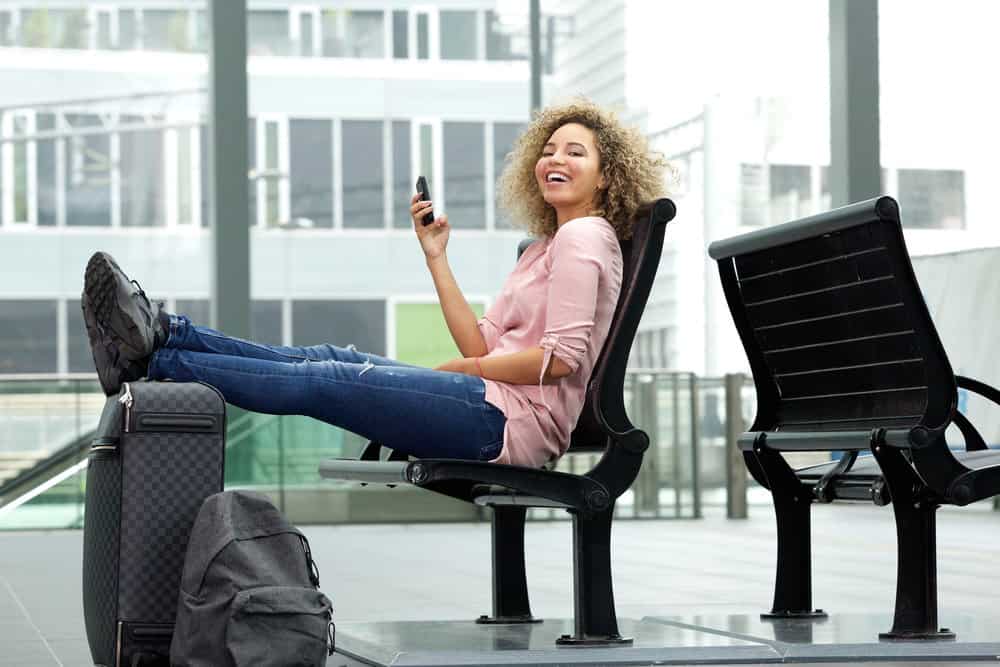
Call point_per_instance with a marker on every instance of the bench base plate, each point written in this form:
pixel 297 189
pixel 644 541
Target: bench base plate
pixel 710 638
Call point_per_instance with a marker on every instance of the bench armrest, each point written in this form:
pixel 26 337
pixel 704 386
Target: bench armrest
pixel 988 392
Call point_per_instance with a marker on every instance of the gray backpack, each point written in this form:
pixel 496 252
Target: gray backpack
pixel 249 590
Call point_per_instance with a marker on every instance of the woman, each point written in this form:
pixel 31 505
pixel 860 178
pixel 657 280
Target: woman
pixel 574 180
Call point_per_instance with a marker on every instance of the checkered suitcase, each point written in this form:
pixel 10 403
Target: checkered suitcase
pixel 158 454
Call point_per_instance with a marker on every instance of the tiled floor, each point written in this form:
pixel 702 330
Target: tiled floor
pixel 706 569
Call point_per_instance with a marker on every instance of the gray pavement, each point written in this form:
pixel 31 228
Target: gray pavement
pixel 685 568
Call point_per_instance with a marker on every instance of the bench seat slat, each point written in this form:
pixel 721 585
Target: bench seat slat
pixel 799 333
pixel 842 353
pixel 887 375
pixel 858 296
pixel 873 406
pixel 839 243
pixel 863 265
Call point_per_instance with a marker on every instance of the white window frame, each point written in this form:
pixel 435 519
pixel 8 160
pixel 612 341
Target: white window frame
pixel 295 14
pixel 7 125
pixel 433 32
pixel 94 13
pixel 282 174
pixel 171 166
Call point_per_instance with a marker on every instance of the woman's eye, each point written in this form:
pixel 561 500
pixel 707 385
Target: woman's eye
pixel 547 154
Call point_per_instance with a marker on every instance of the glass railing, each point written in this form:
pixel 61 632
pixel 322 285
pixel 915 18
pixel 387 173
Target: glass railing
pixel 683 471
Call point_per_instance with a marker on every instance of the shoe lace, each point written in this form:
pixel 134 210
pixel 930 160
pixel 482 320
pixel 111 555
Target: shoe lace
pixel 141 291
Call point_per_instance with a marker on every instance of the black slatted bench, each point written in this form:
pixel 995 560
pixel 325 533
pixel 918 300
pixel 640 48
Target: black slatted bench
pixel 845 357
pixel 590 498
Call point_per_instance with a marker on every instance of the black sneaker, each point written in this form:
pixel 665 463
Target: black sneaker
pixel 112 370
pixel 122 311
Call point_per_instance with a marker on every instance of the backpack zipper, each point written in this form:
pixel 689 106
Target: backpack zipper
pixel 127 400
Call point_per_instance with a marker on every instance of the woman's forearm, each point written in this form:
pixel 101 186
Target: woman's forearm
pixel 522 367
pixel 459 316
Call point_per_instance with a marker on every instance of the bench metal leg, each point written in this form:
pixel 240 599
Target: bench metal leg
pixel 510 585
pixel 593 600
pixel 793 575
pixel 916 560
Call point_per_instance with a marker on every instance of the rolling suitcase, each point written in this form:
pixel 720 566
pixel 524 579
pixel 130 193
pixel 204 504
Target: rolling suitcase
pixel 158 453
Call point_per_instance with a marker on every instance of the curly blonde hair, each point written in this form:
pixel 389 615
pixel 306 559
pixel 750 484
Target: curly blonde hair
pixel 632 175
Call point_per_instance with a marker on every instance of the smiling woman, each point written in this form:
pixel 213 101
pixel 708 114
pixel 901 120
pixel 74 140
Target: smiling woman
pixel 576 178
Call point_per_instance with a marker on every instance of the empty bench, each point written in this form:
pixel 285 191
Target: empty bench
pixel 603 426
pixel 845 357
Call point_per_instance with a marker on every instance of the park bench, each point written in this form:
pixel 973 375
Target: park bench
pixel 845 358
pixel 590 498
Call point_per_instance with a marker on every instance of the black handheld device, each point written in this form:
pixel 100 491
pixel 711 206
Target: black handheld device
pixel 425 195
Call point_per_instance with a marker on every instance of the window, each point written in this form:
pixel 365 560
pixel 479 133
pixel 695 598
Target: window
pixel 403 183
pixel 265 322
pixel 311 171
pixel 28 337
pixel 88 179
pixel 400 34
pixel 790 192
pixel 504 136
pixel 753 198
pixel 353 34
pixel 128 29
pixel 6 28
pixel 422 336
pixel 141 160
pixel 18 170
pixel 80 358
pixel 165 30
pixel 46 184
pixel 423 37
pixel 267 33
pixel 506 38
pixel 305 31
pixel 103 36
pixel 932 199
pixel 187 167
pixel 272 172
pixel 362 173
pixel 54 28
pixel 340 323
pixel 459 31
pixel 464 174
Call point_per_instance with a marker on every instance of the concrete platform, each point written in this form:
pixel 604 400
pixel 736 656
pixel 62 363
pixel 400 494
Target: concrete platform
pixel 702 640
pixel 692 589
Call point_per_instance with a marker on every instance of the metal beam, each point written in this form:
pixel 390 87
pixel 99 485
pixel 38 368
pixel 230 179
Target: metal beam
pixel 535 28
pixel 855 158
pixel 229 208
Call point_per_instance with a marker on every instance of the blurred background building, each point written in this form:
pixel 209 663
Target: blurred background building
pixel 103 145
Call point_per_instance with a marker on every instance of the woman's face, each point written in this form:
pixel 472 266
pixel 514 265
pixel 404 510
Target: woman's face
pixel 569 171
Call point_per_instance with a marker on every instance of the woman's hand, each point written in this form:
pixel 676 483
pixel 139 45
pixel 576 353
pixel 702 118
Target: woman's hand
pixel 460 365
pixel 433 237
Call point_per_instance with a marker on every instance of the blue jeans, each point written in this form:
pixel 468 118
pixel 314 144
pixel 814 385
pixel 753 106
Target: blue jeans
pixel 417 411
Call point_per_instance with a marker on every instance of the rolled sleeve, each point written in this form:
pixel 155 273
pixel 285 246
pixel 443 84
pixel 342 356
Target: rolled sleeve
pixel 490 331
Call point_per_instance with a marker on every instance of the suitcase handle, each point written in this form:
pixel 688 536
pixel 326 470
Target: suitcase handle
pixel 160 421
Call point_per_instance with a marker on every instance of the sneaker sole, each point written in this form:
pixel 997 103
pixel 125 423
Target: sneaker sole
pixel 109 296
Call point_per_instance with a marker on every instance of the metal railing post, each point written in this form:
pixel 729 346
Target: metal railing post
pixel 647 486
pixel 695 445
pixel 736 473
pixel 675 454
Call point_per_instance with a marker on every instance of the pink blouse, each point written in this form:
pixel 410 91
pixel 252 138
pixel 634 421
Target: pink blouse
pixel 561 297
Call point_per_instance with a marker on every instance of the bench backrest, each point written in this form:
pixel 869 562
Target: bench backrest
pixel 603 414
pixel 834 325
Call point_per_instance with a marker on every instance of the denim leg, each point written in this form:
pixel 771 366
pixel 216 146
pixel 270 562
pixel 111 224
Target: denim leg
pixel 184 335
pixel 417 411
